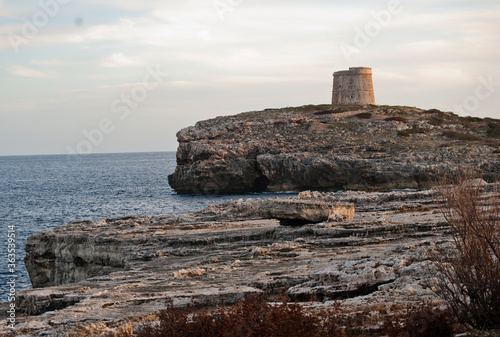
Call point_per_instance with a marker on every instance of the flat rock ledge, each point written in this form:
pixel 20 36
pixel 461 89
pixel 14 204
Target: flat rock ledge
pixel 296 212
pixel 98 276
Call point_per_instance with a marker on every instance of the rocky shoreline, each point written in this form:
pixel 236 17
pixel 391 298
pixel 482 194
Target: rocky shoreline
pixel 100 275
pixel 330 148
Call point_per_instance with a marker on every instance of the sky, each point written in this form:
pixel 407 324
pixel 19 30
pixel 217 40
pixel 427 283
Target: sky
pixel 104 76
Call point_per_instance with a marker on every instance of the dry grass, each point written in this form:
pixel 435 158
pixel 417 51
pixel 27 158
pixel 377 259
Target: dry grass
pixel 469 274
pixel 190 272
pixel 409 209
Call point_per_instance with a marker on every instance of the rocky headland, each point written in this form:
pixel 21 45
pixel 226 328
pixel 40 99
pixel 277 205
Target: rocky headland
pixel 366 247
pixel 93 277
pixel 330 148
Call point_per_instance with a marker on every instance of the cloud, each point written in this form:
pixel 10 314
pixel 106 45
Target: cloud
pixel 5 11
pixel 51 62
pixel 118 60
pixel 16 107
pixel 18 70
pixel 262 54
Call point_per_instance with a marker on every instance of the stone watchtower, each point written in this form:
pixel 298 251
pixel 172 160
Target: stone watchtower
pixel 353 87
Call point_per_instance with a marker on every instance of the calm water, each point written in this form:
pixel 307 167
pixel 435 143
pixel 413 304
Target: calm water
pixel 38 193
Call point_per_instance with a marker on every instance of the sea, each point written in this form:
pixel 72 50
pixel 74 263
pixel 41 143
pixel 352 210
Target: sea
pixel 39 193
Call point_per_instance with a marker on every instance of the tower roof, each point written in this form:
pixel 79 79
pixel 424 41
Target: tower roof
pixel 355 71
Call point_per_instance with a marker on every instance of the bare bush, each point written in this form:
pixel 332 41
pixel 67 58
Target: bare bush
pixel 256 317
pixel 418 320
pixel 469 273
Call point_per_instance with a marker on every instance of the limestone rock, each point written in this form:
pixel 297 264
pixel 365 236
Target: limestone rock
pixel 300 212
pixel 331 148
pixel 137 265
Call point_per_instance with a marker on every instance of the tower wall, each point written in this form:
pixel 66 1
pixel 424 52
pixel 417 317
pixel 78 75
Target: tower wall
pixel 353 87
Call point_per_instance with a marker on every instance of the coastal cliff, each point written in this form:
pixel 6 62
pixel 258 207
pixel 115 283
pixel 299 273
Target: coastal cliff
pixel 329 148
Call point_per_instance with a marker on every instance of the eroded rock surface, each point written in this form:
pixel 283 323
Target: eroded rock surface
pixel 300 212
pixel 217 255
pixel 331 148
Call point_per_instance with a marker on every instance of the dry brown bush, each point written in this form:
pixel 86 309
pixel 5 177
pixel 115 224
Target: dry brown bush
pixel 422 320
pixel 469 273
pixel 255 317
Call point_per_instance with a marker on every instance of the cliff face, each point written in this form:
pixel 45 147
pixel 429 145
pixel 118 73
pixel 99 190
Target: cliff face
pixel 330 148
pixel 53 258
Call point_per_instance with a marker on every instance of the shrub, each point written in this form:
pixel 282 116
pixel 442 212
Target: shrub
pixel 398 108
pixel 409 209
pixel 419 321
pixel 493 129
pixel 435 121
pixel 461 135
pixel 436 112
pixel 255 317
pixel 412 131
pixel 323 112
pixel 364 115
pixel 335 110
pixel 252 317
pixel 396 118
pixel 469 274
pixel 471 119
